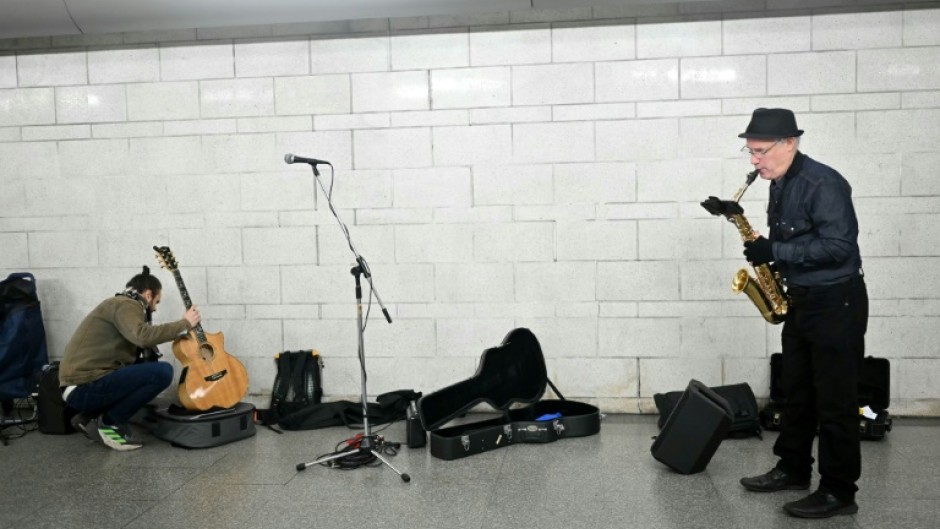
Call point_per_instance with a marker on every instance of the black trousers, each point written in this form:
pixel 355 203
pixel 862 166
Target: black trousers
pixel 823 347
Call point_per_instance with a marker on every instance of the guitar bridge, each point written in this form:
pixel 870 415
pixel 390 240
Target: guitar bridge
pixel 216 376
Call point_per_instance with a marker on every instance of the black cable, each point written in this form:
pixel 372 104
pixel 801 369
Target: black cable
pixel 20 421
pixel 356 458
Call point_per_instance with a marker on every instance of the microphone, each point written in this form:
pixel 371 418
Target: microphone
pixel 290 158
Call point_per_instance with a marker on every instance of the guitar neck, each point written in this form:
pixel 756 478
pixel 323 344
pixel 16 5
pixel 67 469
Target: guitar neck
pixel 200 334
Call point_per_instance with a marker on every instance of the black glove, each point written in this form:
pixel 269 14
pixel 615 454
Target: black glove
pixel 759 251
pixel 716 206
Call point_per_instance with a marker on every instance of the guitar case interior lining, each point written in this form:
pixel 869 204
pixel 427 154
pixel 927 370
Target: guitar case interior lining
pixel 512 373
pixel 204 429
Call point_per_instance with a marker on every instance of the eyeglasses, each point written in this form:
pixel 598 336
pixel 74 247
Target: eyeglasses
pixel 759 153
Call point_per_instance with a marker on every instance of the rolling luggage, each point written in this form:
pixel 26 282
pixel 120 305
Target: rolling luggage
pixel 694 429
pixel 514 372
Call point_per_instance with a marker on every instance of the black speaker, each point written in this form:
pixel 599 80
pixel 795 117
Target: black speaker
pixel 694 429
pixel 54 415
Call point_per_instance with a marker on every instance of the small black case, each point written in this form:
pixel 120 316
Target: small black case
pixel 415 436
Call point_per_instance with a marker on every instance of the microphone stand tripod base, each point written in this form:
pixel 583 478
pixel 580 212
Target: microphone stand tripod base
pixel 366 446
pixel 368 441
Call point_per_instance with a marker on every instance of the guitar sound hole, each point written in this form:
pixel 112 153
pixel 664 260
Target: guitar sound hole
pixel 206 353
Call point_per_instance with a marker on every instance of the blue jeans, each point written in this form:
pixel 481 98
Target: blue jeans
pixel 118 395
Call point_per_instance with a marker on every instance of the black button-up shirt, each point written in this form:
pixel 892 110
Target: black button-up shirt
pixel 813 226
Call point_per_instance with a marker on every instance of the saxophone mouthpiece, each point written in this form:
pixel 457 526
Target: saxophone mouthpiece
pixel 752 175
pixel 750 180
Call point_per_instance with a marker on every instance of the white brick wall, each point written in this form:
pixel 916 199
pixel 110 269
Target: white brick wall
pixel 471 87
pixel 537 168
pixel 123 65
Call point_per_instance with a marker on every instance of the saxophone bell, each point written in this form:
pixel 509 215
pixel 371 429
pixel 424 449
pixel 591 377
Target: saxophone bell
pixel 772 307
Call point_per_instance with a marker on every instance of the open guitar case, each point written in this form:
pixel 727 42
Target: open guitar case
pixel 512 373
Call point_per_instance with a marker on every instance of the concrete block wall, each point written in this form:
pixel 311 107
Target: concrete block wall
pixel 539 169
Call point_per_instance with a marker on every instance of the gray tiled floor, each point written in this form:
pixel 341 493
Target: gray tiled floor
pixel 605 481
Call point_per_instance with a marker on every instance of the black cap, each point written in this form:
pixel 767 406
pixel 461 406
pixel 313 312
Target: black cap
pixel 771 123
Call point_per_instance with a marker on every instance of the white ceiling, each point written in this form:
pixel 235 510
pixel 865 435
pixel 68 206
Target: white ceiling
pixel 36 18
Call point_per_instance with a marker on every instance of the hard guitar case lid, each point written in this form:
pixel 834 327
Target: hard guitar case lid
pixel 513 372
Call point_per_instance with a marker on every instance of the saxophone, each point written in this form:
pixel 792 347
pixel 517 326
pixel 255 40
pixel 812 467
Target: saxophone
pixel 765 290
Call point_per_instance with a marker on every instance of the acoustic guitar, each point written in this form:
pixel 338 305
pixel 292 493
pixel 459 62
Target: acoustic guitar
pixel 211 377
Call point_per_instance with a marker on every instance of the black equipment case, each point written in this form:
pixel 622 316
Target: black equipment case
pixel 191 429
pixel 514 372
pixel 874 391
pixel 694 429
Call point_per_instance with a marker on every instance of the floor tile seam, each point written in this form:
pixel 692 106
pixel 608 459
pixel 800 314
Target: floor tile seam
pixel 488 500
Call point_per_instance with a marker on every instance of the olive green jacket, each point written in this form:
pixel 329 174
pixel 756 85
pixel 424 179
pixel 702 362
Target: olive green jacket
pixel 108 338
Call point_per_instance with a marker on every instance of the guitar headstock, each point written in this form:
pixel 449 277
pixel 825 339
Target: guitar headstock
pixel 166 259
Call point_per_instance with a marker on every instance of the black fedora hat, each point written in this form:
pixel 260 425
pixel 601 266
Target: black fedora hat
pixel 771 123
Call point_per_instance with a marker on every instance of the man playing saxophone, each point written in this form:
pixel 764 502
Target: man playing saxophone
pixel 813 244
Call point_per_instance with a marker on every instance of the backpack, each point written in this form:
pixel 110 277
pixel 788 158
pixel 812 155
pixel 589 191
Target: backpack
pixel 296 399
pixel 22 337
pixel 297 385
pixel 746 420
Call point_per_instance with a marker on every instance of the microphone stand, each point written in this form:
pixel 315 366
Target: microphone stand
pixel 368 442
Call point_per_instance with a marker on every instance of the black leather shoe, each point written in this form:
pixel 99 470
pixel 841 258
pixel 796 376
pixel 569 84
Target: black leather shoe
pixel 773 481
pixel 820 504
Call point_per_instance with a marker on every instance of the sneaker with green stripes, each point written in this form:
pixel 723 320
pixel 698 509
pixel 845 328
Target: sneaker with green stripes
pixel 117 437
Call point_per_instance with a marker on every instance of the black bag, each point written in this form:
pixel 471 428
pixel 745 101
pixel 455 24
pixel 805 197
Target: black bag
pixel 746 420
pixel 297 385
pixel 22 337
pixel 296 399
pixel 389 407
pixel 54 415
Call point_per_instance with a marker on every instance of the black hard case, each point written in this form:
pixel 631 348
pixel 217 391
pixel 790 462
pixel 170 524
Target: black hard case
pixel 512 373
pixel 694 429
pixel 197 430
pixel 874 390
